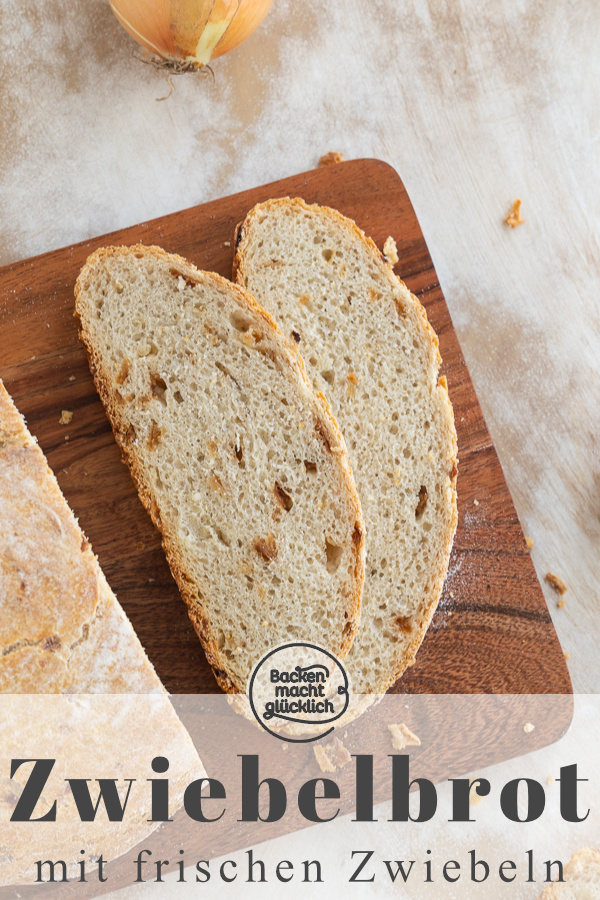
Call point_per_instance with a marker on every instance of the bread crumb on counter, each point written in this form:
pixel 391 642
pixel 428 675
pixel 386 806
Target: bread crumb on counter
pixel 513 219
pixel 331 756
pixel 528 728
pixel 390 250
pixel 556 583
pixel 65 417
pixel 403 737
pixel 331 159
pixel 561 603
pixel 530 542
pixel 474 798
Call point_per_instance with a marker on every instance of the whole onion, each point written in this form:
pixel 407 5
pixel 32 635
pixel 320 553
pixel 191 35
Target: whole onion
pixel 188 34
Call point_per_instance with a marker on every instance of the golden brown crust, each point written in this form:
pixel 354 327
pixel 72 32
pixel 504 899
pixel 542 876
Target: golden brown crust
pixel 289 360
pixel 405 304
pixel 583 867
pixel 60 621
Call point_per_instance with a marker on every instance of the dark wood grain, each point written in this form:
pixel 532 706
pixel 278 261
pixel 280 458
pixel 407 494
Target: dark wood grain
pixel 492 632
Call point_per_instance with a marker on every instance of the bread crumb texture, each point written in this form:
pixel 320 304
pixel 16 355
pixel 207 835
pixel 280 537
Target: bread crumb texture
pixel 240 464
pixel 369 348
pixel 581 878
pixel 66 417
pixel 513 219
pixel 556 583
pixel 403 737
pixel 331 159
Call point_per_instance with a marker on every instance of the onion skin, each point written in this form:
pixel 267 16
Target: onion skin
pixel 192 32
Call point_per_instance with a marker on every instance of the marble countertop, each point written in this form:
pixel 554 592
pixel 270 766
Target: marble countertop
pixel 473 106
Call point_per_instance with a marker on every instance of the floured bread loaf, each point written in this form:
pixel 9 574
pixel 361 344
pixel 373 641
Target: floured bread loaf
pixel 75 683
pixel 581 878
pixel 369 347
pixel 241 465
pixel 61 629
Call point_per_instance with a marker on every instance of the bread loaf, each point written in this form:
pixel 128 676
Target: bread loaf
pixel 75 683
pixel 369 347
pixel 61 629
pixel 581 878
pixel 239 462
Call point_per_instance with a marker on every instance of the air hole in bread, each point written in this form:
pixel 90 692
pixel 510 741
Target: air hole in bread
pixel 333 554
pixel 327 254
pixel 328 376
pixel 158 387
pixel 223 538
pixel 311 467
pixel 177 396
pixel 404 623
pixel 420 508
pixel 282 497
pixel 240 321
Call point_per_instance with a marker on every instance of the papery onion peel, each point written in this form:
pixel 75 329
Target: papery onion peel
pixel 188 34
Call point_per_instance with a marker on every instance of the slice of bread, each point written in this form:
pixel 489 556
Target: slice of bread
pixel 581 878
pixel 240 463
pixel 368 345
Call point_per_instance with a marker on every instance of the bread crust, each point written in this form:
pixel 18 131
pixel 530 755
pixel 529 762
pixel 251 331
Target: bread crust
pixel 289 359
pixel 407 304
pixel 583 867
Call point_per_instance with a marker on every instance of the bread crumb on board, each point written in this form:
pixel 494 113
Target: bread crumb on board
pixel 530 542
pixel 556 583
pixel 403 737
pixel 566 655
pixel 550 779
pixel 331 756
pixel 528 728
pixel 331 159
pixel 390 250
pixel 65 417
pixel 561 603
pixel 513 219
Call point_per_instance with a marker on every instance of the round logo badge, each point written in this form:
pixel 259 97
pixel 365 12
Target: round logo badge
pixel 298 691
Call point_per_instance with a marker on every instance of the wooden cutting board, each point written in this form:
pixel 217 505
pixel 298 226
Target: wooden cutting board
pixel 492 632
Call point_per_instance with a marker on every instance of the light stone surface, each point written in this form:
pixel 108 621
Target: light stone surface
pixel 473 104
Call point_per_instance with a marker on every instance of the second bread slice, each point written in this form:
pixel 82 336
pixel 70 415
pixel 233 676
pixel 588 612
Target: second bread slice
pixel 239 462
